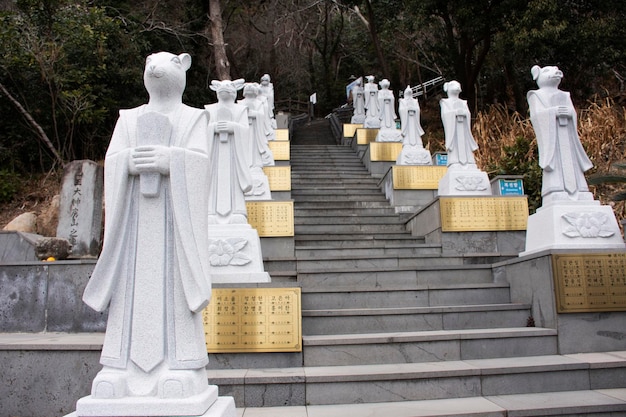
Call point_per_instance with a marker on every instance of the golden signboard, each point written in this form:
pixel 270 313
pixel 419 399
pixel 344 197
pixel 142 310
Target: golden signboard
pixel 280 150
pixel 591 282
pixel 474 214
pixel 271 218
pixel 417 177
pixel 253 320
pixel 279 177
pixel 365 136
pixel 349 129
pixel 282 134
pixel 385 151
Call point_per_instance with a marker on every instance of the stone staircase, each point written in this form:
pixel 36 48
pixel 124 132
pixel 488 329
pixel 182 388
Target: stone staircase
pixel 388 320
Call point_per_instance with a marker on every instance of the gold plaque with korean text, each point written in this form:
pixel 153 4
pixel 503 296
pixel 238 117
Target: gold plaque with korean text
pixel 279 177
pixel 280 150
pixel 593 282
pixel 271 218
pixel 385 151
pixel 253 320
pixel 365 136
pixel 349 129
pixel 282 134
pixel 417 177
pixel 474 214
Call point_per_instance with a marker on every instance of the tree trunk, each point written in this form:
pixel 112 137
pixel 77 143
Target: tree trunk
pixel 222 66
pixel 31 121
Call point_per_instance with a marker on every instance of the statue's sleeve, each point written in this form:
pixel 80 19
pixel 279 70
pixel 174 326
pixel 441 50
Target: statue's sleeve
pixel 242 136
pixel 448 119
pixel 118 193
pixel 543 119
pixel 468 127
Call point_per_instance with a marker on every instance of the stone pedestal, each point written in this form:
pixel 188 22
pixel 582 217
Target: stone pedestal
pixel 414 155
pixel 80 209
pixel 207 404
pixel 409 188
pixel 467 180
pixel 235 254
pixel 579 224
pixel 389 135
pixel 380 156
pixel 260 185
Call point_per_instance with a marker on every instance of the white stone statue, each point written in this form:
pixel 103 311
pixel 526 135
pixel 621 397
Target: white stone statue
pixel 456 118
pixel 267 91
pixel 260 153
pixel 569 217
pixel 228 139
pixel 387 115
pixel 358 103
pixel 561 155
pixel 372 109
pixel 152 273
pixel 463 176
pixel 413 152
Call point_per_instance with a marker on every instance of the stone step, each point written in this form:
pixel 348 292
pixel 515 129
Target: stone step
pixel 319 198
pixel 428 346
pixel 385 278
pixel 322 192
pixel 407 249
pixel 589 403
pixel 339 205
pixel 413 319
pixel 408 296
pixel 401 382
pixel 367 262
pixel 350 228
pixel 343 212
pixel 300 219
pixel 351 241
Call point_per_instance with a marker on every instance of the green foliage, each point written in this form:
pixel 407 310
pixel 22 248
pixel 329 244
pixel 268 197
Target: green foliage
pixel 9 185
pixel 517 159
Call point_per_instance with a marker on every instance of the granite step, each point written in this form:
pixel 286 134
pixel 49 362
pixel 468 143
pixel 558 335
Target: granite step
pixel 401 382
pixel 338 189
pixel 413 319
pixel 353 241
pixel 361 198
pixel 339 205
pixel 385 278
pixel 380 228
pixel 343 212
pixel 406 249
pixel 383 219
pixel 428 346
pixel 410 296
pixel 588 403
pixel 367 262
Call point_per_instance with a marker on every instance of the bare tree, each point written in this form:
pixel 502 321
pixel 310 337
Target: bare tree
pixel 222 66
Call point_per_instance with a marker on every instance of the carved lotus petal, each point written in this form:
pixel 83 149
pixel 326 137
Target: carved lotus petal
pixel 224 252
pixel 587 225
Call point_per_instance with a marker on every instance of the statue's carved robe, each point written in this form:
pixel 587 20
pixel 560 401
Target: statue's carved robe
pixel 260 130
pixel 371 100
pixel 561 155
pixel 460 143
pixel 387 114
pixel 153 273
pixel 412 131
pixel 358 102
pixel 230 159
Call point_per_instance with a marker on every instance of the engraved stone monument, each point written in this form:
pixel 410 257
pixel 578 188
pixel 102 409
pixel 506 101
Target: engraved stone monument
pixel 152 274
pixel 463 176
pixel 413 152
pixel 569 217
pixel 260 154
pixel 234 246
pixel 80 208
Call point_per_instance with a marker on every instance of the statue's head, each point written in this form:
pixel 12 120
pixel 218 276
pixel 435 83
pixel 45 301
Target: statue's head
pixel 452 87
pixel 165 74
pixel 408 92
pixel 265 79
pixel 251 90
pixel 370 78
pixel 227 90
pixel 384 83
pixel 549 76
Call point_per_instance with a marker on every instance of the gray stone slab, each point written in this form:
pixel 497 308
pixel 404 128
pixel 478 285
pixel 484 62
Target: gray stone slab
pixel 17 247
pixel 537 382
pixel 23 292
pixel 278 247
pixel 254 360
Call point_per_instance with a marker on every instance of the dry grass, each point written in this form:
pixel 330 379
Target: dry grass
pixel 602 130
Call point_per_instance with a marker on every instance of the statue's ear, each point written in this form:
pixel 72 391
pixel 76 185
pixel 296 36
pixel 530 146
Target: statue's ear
pixel 535 71
pixel 185 59
pixel 239 83
pixel 445 87
pixel 215 85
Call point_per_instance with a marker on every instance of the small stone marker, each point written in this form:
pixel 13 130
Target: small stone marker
pixel 80 209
